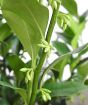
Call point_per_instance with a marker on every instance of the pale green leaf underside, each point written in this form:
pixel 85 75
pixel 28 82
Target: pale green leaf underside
pixel 28 19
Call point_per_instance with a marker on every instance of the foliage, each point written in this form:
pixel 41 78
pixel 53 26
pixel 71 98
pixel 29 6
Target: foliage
pixel 25 27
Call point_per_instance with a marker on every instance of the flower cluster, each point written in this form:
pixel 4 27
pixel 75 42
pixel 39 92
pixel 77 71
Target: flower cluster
pixel 63 20
pixel 44 44
pixel 29 74
pixel 53 3
pixel 45 94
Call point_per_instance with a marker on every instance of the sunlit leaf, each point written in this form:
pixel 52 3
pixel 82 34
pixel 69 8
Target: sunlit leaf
pixel 28 22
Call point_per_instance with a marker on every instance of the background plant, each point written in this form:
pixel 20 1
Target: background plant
pixel 25 31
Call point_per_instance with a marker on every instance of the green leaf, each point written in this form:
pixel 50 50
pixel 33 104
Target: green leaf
pixel 85 49
pixel 83 68
pixel 61 47
pixel 5 31
pixel 61 65
pixel 83 16
pixel 65 88
pixel 61 59
pixel 28 22
pixel 16 64
pixel 73 32
pixel 1 2
pixel 21 91
pixel 66 56
pixel 61 50
pixel 10 43
pixel 71 6
pixel 78 30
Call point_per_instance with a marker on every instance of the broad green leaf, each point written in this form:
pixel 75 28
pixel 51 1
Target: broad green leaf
pixel 4 102
pixel 71 6
pixel 83 68
pixel 61 47
pixel 66 88
pixel 5 31
pixel 16 64
pixel 28 22
pixel 21 91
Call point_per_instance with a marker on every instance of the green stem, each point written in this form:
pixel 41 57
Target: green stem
pixel 52 24
pixel 29 91
pixel 42 59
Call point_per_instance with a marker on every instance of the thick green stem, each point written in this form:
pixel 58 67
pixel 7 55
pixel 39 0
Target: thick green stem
pixel 42 59
pixel 29 91
pixel 52 24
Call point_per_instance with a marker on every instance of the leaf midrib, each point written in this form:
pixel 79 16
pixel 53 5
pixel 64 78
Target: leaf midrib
pixel 34 19
pixel 24 24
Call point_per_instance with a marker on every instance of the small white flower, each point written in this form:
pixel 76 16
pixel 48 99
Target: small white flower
pixel 45 94
pixel 44 44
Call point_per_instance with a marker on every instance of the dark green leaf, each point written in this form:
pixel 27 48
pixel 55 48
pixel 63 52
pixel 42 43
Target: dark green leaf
pixel 21 91
pixel 71 6
pixel 83 16
pixel 61 47
pixel 16 64
pixel 5 31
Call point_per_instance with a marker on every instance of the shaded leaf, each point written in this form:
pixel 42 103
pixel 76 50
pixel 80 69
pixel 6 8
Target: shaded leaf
pixel 5 31
pixel 60 59
pixel 61 47
pixel 16 64
pixel 21 91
